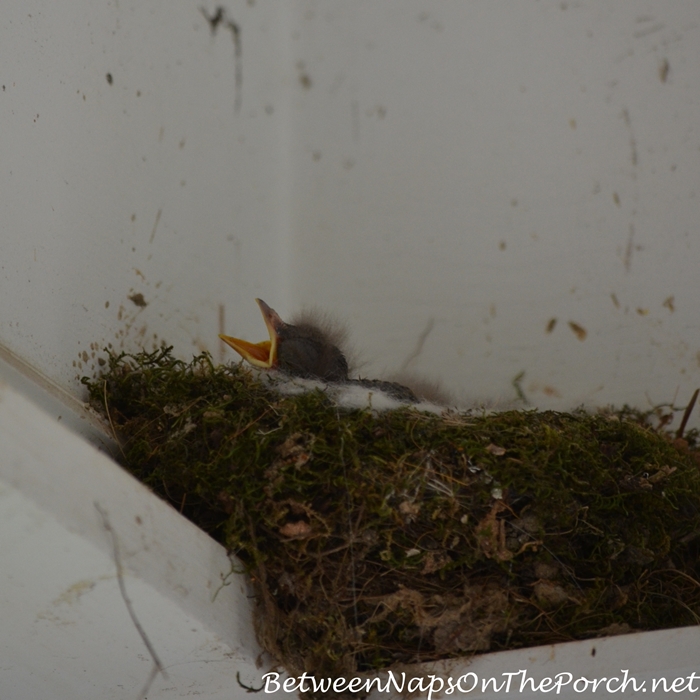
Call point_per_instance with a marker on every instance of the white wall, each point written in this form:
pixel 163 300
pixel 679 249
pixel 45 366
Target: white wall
pixel 472 169
pixel 155 185
pixel 488 166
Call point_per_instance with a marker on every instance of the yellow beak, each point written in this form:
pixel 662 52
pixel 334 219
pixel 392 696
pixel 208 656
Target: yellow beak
pixel 263 354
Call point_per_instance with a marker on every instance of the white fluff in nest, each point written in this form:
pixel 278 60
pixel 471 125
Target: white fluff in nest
pixel 345 394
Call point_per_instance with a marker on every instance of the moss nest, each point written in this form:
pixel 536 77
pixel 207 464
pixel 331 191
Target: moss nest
pixel 400 537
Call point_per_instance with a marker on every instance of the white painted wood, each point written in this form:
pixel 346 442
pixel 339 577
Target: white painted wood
pixel 472 170
pixel 155 185
pixel 630 666
pixel 448 177
pixel 56 401
pixel 65 631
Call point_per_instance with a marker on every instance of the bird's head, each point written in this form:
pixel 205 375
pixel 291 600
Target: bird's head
pixel 302 350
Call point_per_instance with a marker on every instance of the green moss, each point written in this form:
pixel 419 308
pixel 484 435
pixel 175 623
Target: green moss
pixel 404 536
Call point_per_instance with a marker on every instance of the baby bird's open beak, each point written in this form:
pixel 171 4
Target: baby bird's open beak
pixel 263 354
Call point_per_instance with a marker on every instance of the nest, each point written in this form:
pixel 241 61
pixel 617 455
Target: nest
pixel 402 537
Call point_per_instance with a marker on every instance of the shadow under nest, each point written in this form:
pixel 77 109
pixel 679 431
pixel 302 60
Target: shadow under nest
pixel 399 537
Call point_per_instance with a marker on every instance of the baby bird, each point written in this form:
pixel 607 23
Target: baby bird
pixel 308 350
pixel 302 350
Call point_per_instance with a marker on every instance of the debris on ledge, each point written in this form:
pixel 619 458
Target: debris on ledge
pixel 374 538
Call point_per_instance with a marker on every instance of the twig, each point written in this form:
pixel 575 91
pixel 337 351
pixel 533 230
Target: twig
pixel 686 413
pixel 422 337
pixel 157 665
pixel 248 688
pixel 109 418
pixel 678 573
pixel 515 383
pixel 353 581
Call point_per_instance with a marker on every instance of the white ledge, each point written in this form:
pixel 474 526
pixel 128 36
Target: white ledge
pixel 66 632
